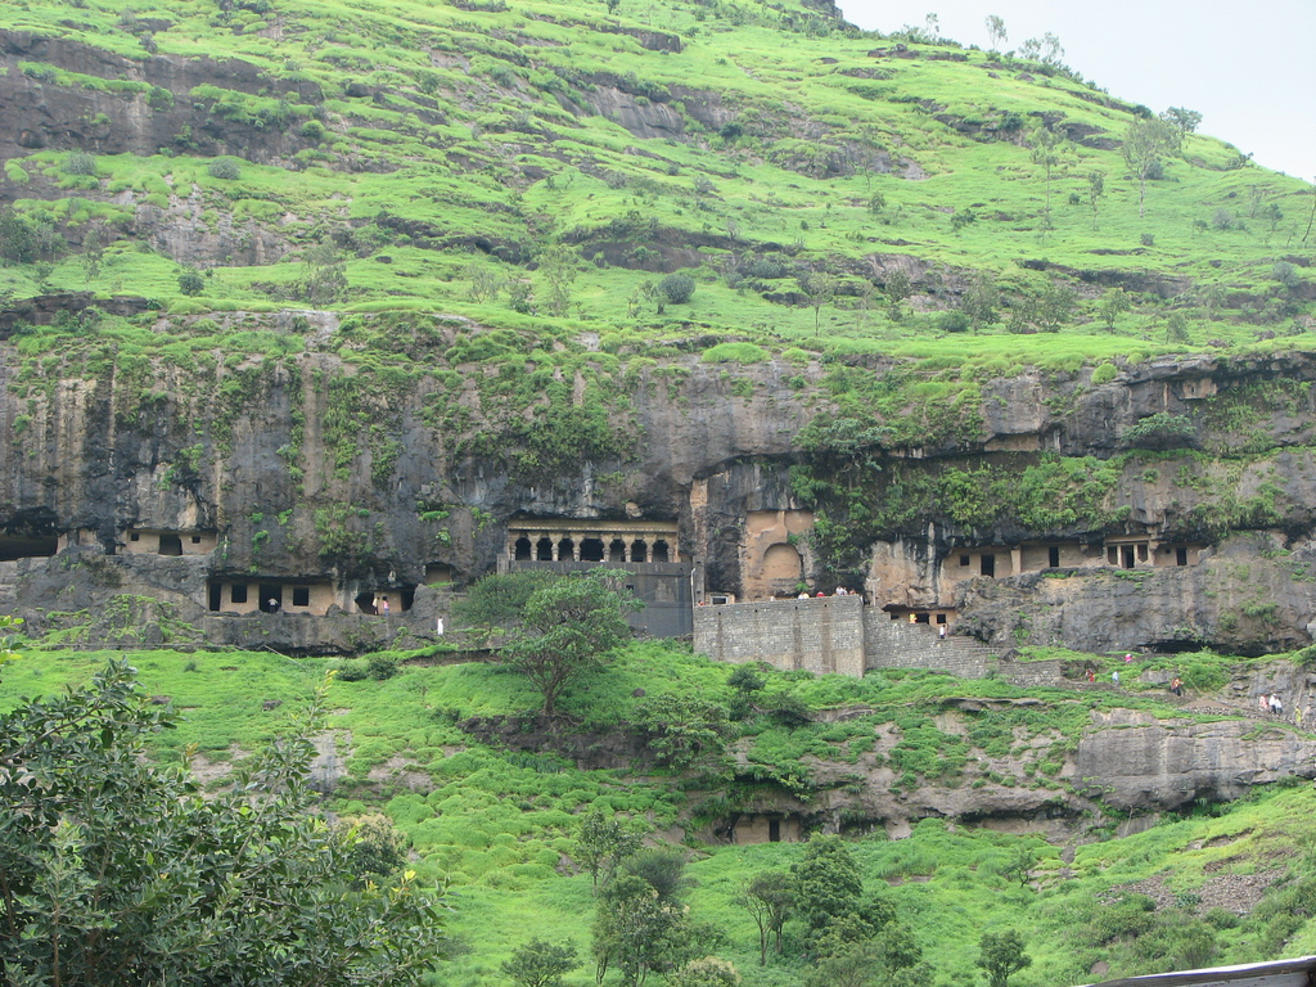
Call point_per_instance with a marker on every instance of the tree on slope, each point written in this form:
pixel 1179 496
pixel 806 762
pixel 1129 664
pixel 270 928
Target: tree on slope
pixel 1146 142
pixel 1002 956
pixel 115 870
pixel 567 628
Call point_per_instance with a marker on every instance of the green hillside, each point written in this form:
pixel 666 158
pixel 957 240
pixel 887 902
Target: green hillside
pixel 545 165
pixel 498 822
pixel 348 287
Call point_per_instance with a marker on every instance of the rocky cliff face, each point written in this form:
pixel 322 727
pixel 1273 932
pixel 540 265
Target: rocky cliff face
pixel 312 464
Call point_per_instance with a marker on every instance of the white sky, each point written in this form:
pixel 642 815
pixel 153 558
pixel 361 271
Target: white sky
pixel 1248 68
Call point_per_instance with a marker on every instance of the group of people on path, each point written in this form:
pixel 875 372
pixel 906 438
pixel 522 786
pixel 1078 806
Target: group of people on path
pixel 1272 704
pixel 1176 684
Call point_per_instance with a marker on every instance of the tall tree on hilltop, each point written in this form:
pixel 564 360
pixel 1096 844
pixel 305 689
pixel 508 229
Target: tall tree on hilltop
pixel 995 31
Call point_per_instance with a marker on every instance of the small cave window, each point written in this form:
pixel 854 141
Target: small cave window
pixel 544 550
pixel 522 550
pixel 301 596
pixel 941 618
pixel 196 539
pixel 659 551
pixel 135 536
pixel 920 618
pixel 1181 556
pixel 237 593
pixel 964 560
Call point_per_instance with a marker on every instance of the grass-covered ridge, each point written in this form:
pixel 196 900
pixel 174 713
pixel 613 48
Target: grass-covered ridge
pixel 499 823
pixel 544 165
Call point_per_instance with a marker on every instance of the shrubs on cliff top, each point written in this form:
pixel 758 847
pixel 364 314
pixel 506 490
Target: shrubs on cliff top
pixel 735 353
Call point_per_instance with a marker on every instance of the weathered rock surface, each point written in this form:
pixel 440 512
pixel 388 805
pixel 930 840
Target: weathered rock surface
pixel 1132 761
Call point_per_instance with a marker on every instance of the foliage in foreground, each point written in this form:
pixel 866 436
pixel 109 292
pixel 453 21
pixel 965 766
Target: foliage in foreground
pixel 115 870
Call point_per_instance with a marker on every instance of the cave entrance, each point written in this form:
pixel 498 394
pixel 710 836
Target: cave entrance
pixel 27 546
pixel 271 597
pixel 170 545
pixel 617 551
pixel 365 602
pixel 988 565
pixel 1126 554
pixel 591 550
pixel 216 594
pixel 544 550
pixel 523 549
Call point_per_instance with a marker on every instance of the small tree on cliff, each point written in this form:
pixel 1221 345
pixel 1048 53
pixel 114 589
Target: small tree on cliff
pixel 567 628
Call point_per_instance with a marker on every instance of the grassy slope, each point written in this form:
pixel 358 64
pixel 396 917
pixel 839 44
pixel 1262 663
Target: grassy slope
pixel 508 162
pixel 497 825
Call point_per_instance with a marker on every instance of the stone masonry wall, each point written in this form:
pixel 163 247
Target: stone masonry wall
pixel 896 644
pixel 823 634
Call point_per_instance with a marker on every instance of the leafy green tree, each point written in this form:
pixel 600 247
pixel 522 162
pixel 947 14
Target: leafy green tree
pixel 1176 328
pixel 602 842
pixel 1048 151
pixel 18 243
pixel 637 930
pixel 1054 306
pixel 117 870
pixel 541 964
pixel 1096 188
pixel 1184 120
pixel 677 288
pixel 819 288
pixel 1002 955
pixel 980 301
pixel 769 898
pixel 898 287
pixel 1146 142
pixel 684 731
pixel 827 882
pixel 495 602
pixel 557 265
pixel 567 628
pixel 662 868
pixel 190 282
pixel 484 283
pixel 1114 303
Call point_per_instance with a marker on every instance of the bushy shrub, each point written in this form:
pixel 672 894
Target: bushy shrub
pixel 79 163
pixel 190 282
pixel 225 168
pixel 677 288
pixel 1104 373
pixel 353 670
pixel 381 667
